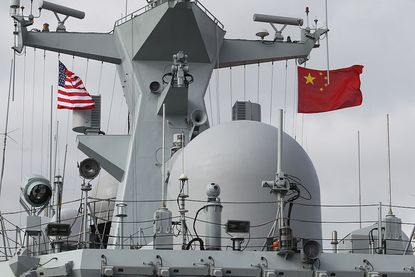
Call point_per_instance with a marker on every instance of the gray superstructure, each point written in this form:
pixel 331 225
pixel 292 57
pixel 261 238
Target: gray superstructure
pixel 165 55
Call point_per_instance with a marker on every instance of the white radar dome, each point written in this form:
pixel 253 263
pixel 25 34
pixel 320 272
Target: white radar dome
pixel 238 156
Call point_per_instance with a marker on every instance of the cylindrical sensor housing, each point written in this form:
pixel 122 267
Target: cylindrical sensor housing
pixel 213 226
pixel 61 9
pixel 278 19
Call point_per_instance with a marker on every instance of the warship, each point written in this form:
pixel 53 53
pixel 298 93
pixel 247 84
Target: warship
pixel 177 196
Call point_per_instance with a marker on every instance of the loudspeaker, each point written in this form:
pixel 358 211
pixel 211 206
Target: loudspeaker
pixel 198 117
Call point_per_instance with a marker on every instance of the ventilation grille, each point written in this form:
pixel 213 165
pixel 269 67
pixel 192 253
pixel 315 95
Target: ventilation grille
pixel 245 110
pixel 96 113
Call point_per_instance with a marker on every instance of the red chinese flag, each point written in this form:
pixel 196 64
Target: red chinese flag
pixel 315 95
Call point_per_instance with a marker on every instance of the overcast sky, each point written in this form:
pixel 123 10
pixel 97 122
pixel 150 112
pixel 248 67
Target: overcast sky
pixel 376 34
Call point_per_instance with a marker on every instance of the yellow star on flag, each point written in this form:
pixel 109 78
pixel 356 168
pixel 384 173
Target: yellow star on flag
pixel 309 79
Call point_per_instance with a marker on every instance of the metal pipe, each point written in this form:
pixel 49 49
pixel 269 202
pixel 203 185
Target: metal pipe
pixel 58 198
pixel 380 250
pixel 278 19
pixel 280 198
pixel 334 241
pixel 85 223
pixel 182 210
pixel 85 189
pixel 121 214
pixel 163 159
pixel 16 244
pixel 279 150
pixel 53 208
pixel 50 145
pixel 3 233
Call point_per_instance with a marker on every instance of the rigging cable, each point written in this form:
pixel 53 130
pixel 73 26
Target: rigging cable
pixel 134 127
pixel 285 91
pixel 112 99
pixel 244 82
pixel 210 101
pixel 295 102
pixel 6 126
pixel 43 111
pixel 272 88
pixel 23 115
pixel 32 128
pixel 230 85
pixel 217 76
pixel 68 115
pixel 99 92
pixel 257 96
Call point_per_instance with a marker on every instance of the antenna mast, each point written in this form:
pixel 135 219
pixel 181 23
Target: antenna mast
pixel 360 179
pixel 163 160
pixel 327 43
pixel 389 166
pixel 7 126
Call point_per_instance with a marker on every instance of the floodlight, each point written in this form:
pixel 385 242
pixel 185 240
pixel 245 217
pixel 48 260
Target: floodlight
pixel 89 168
pixel 37 191
pixel 312 250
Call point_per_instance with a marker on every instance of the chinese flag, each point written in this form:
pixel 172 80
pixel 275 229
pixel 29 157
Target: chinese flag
pixel 315 95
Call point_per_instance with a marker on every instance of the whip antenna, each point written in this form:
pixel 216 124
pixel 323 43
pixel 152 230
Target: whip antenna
pixel 7 125
pixel 360 179
pixel 389 165
pixel 327 44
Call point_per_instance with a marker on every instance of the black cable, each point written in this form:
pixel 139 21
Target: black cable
pixel 165 82
pixel 195 219
pixel 249 239
pixel 188 79
pixel 201 244
pixel 291 200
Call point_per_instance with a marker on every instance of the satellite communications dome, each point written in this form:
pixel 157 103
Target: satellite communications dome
pixel 238 156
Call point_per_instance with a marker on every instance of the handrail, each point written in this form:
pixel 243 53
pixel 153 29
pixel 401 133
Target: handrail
pixel 206 11
pixel 151 6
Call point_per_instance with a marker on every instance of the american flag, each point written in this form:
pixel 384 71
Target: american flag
pixel 72 94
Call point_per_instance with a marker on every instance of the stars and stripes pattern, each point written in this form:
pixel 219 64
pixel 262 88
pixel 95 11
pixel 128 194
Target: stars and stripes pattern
pixel 72 94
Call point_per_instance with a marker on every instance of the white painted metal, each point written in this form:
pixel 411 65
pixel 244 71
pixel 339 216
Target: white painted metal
pixel 239 155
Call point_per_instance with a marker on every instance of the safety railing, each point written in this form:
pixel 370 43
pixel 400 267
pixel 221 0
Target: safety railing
pixel 14 237
pixel 157 3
